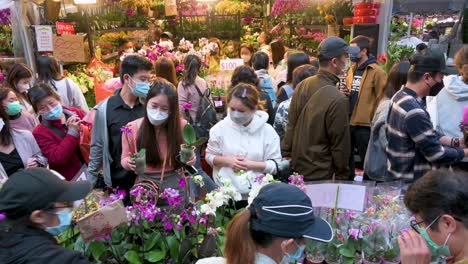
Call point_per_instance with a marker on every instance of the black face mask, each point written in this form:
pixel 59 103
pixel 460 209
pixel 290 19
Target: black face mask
pixel 435 89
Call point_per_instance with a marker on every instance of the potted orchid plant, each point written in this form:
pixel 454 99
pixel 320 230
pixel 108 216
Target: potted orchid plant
pixel 187 150
pixel 138 156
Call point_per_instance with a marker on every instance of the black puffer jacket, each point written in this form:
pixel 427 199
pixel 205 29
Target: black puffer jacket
pixel 31 245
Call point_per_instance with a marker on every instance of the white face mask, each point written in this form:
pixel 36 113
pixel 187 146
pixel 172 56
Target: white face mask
pixel 22 87
pixel 246 58
pixel 156 117
pixel 240 118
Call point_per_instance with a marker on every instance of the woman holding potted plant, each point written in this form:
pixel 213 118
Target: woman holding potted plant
pixel 159 132
pixel 243 141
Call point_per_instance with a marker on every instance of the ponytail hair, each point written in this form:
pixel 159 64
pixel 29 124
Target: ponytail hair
pixel 192 68
pixel 241 241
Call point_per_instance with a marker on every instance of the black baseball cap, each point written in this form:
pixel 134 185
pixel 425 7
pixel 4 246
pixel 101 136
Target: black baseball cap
pixel 284 210
pixel 333 47
pixel 431 61
pixel 36 189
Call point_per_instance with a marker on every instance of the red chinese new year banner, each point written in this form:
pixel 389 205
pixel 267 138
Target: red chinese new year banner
pixel 65 28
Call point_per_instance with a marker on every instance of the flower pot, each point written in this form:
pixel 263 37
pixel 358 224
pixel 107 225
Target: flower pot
pixel 143 11
pixel 366 12
pixel 347 20
pixel 140 162
pixel 364 20
pixel 363 5
pixel 186 153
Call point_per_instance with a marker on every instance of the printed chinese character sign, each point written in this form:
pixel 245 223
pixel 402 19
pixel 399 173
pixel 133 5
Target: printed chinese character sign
pixel 65 28
pixel 69 48
pixel 44 38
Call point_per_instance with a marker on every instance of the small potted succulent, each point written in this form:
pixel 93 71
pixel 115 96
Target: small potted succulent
pixel 187 150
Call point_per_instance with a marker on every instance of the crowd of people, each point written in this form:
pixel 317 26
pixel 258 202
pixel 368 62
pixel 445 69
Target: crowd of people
pixel 321 117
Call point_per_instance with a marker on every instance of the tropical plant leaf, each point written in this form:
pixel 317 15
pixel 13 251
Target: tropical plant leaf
pixel 188 133
pixel 133 257
pixel 155 256
pixel 97 248
pixel 173 247
pixel 152 240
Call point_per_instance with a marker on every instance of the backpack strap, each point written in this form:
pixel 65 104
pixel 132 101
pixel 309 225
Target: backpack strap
pixel 288 89
pixel 54 129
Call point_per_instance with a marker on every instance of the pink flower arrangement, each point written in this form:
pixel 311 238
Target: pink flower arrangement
pixel 185 45
pixel 130 12
pixel 282 7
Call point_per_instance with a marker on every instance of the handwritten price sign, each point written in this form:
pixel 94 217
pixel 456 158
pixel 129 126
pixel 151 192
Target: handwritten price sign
pixel 69 48
pixel 231 64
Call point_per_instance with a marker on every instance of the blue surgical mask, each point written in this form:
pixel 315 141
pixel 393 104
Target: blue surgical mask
pixel 354 58
pixel 141 89
pixel 296 256
pixel 436 250
pixel 65 217
pixel 54 114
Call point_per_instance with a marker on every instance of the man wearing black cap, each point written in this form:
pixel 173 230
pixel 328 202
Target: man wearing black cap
pixel 35 206
pixel 413 144
pixel 317 137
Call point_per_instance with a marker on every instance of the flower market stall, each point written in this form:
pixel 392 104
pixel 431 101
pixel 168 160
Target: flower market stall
pixel 184 233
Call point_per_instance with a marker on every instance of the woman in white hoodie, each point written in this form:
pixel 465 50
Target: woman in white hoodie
pixel 446 109
pixel 243 140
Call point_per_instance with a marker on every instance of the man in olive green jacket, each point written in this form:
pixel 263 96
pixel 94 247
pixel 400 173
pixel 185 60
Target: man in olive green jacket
pixel 365 82
pixel 317 138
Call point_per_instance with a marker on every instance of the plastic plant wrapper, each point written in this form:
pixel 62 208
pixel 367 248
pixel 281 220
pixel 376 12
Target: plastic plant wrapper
pixel 369 236
pixel 102 221
pixel 89 205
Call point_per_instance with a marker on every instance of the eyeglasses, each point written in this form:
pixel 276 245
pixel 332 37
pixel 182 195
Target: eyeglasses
pixel 415 225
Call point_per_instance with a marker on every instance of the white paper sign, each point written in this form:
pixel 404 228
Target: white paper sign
pixel 231 64
pixel 350 196
pixel 44 38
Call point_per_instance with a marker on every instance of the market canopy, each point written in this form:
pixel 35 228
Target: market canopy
pixel 428 6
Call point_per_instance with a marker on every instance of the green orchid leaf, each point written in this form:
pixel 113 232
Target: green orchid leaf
pixel 155 256
pixel 133 257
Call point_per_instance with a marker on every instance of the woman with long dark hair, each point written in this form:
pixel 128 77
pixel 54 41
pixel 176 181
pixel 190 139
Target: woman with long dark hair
pixel 69 92
pixel 375 163
pixel 165 68
pixel 18 148
pixel 189 90
pixel 160 133
pixel 18 117
pixel 277 58
pixel 19 79
pixel 295 59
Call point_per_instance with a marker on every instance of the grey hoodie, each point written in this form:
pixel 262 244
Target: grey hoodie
pixel 446 109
